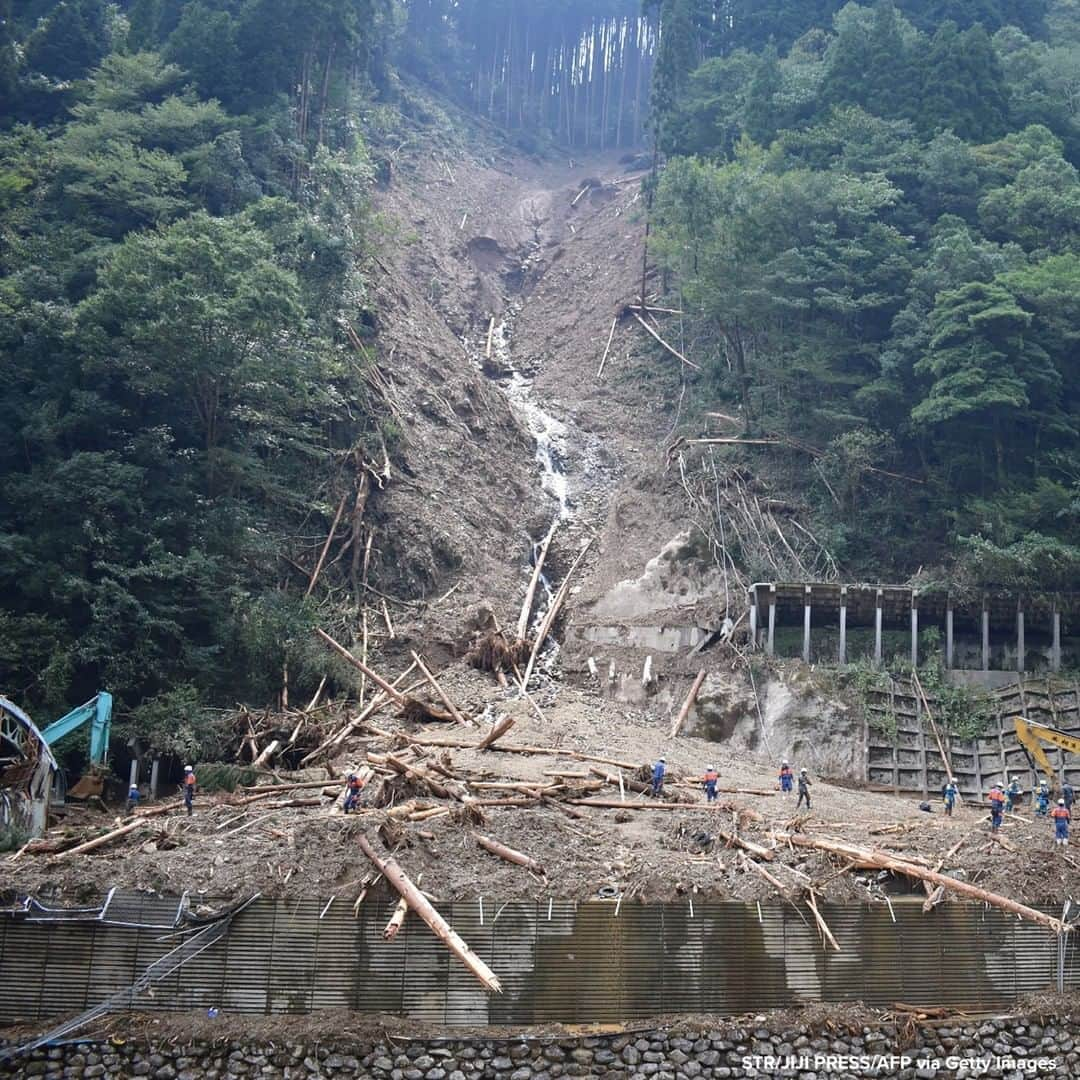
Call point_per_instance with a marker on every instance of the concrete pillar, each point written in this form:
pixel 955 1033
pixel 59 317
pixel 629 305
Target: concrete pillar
pixel 877 629
pixel 1055 640
pixel 1019 636
pixel 133 775
pixel 843 624
pixel 948 635
pixel 806 627
pixel 154 767
pixel 985 637
pixel 914 633
pixel 772 620
pixel 753 619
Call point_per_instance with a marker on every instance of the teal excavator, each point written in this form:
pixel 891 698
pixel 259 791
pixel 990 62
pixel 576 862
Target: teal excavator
pixel 97 712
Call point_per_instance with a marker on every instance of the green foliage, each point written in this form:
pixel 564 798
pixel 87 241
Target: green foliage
pixel 176 723
pixel 224 776
pixel 893 280
pixel 172 283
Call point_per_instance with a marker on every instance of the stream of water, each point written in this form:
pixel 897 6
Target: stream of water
pixel 550 436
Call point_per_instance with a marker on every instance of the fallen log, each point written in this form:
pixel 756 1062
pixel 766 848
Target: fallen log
pixel 732 840
pixel 775 882
pixel 614 804
pixel 607 347
pixel 526 606
pixel 155 811
pixel 439 926
pixel 621 782
pixel 549 751
pixel 883 861
pixel 509 854
pixel 670 348
pixel 101 841
pixel 372 707
pixel 822 925
pixel 387 688
pixel 552 614
pixel 454 711
pixel 419 773
pixel 933 726
pixel 934 897
pixel 278 789
pixel 684 712
pixel 267 753
pixel 326 547
pixel 498 729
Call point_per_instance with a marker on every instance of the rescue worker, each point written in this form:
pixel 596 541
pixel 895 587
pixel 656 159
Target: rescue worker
pixel 997 806
pixel 951 791
pixel 353 788
pixel 709 783
pixel 787 778
pixel 189 788
pixel 1042 800
pixel 133 797
pixel 804 790
pixel 1013 793
pixel 658 778
pixel 1067 795
pixel 1061 817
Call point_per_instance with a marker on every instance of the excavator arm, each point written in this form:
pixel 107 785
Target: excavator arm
pixel 1032 736
pixel 98 713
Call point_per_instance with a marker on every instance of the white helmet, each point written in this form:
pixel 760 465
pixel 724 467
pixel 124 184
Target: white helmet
pixel 1061 802
pixel 188 768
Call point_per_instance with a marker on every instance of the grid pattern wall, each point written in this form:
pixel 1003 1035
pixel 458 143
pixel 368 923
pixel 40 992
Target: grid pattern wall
pixel 558 961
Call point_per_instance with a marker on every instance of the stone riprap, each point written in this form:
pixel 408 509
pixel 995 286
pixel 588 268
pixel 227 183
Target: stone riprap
pixel 1003 1048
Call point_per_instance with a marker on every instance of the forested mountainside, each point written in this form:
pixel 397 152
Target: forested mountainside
pixel 866 219
pixel 871 216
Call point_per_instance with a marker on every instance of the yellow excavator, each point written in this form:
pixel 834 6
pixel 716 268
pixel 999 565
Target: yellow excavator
pixel 1033 735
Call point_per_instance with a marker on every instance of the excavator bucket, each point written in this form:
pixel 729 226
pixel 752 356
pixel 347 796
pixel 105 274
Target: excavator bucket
pixel 87 786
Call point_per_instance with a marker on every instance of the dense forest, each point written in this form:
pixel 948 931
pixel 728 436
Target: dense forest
pixel 872 217
pixel 869 214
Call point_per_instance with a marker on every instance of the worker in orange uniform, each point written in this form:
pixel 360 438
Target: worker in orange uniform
pixel 189 788
pixel 353 789
pixel 997 807
pixel 709 783
pixel 1061 817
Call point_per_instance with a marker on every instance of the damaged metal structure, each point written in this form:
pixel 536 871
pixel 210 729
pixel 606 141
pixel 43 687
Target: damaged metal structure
pixel 27 769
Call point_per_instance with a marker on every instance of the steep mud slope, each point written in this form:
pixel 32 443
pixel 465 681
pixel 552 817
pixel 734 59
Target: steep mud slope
pixel 504 276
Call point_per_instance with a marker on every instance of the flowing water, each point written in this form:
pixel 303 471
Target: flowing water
pixel 551 438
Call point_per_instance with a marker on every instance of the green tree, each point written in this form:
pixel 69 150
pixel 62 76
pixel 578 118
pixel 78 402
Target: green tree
pixel 761 113
pixel 991 383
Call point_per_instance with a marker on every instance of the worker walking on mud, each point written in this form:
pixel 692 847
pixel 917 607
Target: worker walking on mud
pixel 1061 817
pixel 951 791
pixel 1068 795
pixel 133 797
pixel 658 778
pixel 804 790
pixel 1014 791
pixel 1042 800
pixel 997 807
pixel 189 789
pixel 354 786
pixel 709 783
pixel 787 778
